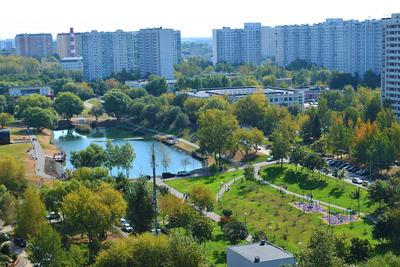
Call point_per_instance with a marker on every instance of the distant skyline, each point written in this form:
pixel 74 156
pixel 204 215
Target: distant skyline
pixel 193 18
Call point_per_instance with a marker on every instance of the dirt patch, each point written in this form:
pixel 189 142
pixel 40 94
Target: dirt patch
pixel 44 139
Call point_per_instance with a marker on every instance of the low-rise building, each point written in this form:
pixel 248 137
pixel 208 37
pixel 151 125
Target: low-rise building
pixel 263 254
pixel 29 90
pixel 72 63
pixel 276 96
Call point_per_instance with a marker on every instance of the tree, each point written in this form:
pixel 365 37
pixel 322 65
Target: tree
pixel 386 118
pixel 200 228
pixel 235 231
pixel 127 157
pixel 97 111
pixel 140 206
pixel 360 250
pixel 169 205
pixel 3 103
pixel 339 137
pixel 8 206
pixel 12 175
pixel 386 260
pixel 83 90
pixel 249 139
pixel 31 101
pixel 297 156
pixel 321 250
pixel 5 119
pixel 86 212
pixel 185 252
pixel 388 225
pixel 156 85
pixel 313 161
pixel 46 249
pixel 165 159
pixel 92 156
pixel 31 215
pixel 216 132
pixel 40 118
pixel 113 200
pixel 249 172
pixel 250 109
pixel 68 104
pixel 280 145
pixel 111 156
pixel 202 197
pixel 116 103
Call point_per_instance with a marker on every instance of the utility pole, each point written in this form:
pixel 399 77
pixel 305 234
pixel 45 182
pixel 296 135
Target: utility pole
pixel 153 165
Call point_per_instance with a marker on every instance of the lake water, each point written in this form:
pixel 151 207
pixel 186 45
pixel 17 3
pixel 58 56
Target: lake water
pixel 69 141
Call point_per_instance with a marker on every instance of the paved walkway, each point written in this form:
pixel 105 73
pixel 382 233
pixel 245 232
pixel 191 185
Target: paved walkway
pixel 40 158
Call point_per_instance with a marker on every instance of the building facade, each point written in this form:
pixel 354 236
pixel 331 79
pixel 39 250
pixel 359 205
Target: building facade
pixel 34 45
pixel 350 46
pixel 237 46
pixel 107 52
pixel 72 64
pixel 29 90
pixel 64 45
pixel 390 76
pixel 158 50
pixel 268 42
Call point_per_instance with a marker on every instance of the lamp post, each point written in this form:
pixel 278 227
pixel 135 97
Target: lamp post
pixel 370 164
pixel 153 165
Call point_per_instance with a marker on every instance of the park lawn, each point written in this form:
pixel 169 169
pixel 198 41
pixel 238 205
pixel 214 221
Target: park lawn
pixel 184 185
pixel 257 159
pixel 263 208
pixel 303 183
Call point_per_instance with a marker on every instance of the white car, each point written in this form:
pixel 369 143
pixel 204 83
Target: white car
pixel 356 180
pixel 122 221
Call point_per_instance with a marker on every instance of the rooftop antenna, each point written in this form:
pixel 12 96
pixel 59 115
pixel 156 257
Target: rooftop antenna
pixel 153 165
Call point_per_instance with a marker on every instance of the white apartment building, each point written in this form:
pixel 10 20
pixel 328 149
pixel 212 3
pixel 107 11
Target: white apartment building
pixel 158 50
pixel 268 40
pixel 349 46
pixel 391 62
pixel 236 46
pixel 107 52
pixel 29 90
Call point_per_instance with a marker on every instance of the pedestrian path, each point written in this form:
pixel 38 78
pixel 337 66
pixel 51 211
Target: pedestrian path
pixel 37 153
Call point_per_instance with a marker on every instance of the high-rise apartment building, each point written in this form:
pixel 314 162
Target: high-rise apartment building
pixel 7 44
pixel 107 52
pixel 64 45
pixel 390 76
pixel 34 45
pixel 158 50
pixel 268 42
pixel 236 46
pixel 349 46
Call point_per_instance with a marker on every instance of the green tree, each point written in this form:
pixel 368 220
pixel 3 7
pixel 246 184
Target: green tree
pixel 360 250
pixel 200 228
pixel 31 101
pixel 202 197
pixel 128 156
pixel 156 85
pixel 280 145
pixel 8 206
pixel 321 250
pixel 5 119
pixel 216 132
pixel 386 260
pixel 40 118
pixel 297 156
pixel 12 174
pixel 116 103
pixel 250 109
pixel 140 206
pixel 249 139
pixel 235 231
pixel 31 215
pixel 46 249
pixel 185 252
pixel 97 111
pixel 92 156
pixel 68 104
pixel 249 172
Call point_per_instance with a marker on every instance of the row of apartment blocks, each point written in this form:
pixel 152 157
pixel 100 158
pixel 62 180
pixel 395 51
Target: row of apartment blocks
pixel 149 51
pixel 350 46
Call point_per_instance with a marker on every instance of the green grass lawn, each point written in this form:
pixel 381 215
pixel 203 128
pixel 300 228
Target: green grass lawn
pixel 264 208
pixel 323 188
pixel 17 151
pixel 257 159
pixel 212 182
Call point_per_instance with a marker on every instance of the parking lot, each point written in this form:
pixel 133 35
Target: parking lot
pixel 350 172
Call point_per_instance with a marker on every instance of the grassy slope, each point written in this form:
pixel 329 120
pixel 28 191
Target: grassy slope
pixel 264 208
pixel 322 187
pixel 212 182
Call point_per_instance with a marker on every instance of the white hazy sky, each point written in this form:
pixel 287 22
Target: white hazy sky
pixel 195 18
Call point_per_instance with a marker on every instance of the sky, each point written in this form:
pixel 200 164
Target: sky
pixel 193 18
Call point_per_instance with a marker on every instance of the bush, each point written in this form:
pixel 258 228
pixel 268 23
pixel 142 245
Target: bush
pixel 163 189
pixel 258 236
pixel 227 213
pixel 6 249
pixel 235 231
pixel 83 129
pixel 4 259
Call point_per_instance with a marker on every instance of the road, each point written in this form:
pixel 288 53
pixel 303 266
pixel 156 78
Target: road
pixel 40 158
pixel 21 253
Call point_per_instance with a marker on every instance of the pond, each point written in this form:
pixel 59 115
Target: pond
pixel 69 141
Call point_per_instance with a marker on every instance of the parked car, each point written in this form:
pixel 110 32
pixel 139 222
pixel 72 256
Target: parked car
pixel 270 158
pixel 182 173
pixel 53 215
pixel 19 241
pixel 127 228
pixel 166 175
pixel 4 237
pixel 356 180
pixel 122 221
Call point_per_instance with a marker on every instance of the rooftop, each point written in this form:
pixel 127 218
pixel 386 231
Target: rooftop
pixel 267 252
